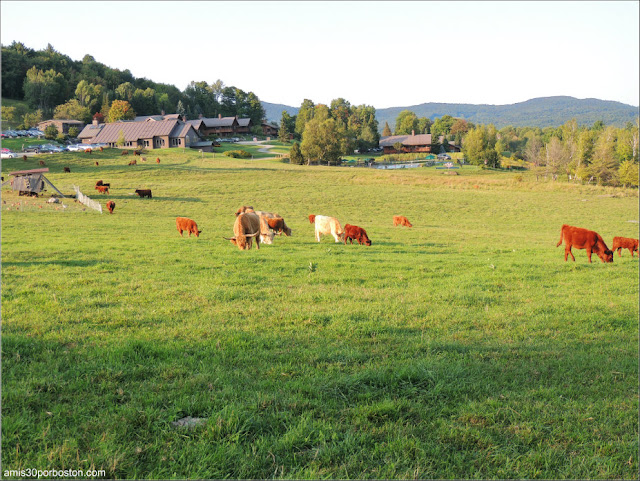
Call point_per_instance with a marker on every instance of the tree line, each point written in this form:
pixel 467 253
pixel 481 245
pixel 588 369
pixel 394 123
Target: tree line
pixel 55 86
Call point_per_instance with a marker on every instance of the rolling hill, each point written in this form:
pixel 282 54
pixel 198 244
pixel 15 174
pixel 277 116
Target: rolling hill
pixel 540 112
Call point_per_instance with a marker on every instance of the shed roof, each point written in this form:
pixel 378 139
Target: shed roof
pixel 27 172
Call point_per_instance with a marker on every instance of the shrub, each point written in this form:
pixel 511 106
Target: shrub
pixel 73 132
pixel 50 132
pixel 238 154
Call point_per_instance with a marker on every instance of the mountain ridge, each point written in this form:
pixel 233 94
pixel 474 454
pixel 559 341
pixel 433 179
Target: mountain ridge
pixel 536 112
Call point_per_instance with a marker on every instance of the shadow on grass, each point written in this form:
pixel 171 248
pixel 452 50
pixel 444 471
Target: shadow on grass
pixel 65 263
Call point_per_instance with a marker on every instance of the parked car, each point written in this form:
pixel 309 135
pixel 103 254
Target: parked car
pixel 444 157
pixel 7 154
pixel 77 147
pixel 31 148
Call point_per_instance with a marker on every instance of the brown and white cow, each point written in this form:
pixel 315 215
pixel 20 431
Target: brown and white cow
pixel 325 225
pixel 188 225
pixel 353 232
pixel 275 221
pixel 401 220
pixel 620 243
pixel 243 209
pixel 246 227
pixel 584 239
pixel 110 206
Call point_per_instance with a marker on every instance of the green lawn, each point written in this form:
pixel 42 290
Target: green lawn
pixel 464 347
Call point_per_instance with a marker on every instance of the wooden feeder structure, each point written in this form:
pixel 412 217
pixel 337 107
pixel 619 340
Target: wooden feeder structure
pixel 30 182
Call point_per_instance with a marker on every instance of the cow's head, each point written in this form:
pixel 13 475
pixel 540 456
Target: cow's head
pixel 198 232
pixel 242 241
pixel 366 239
pixel 287 231
pixel 267 238
pixel 312 219
pixel 606 255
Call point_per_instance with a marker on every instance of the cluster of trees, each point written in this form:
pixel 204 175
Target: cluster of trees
pixel 55 86
pixel 325 133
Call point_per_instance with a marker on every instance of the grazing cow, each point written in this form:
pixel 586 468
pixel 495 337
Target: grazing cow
pixel 401 220
pixel 97 163
pixel 103 189
pixel 42 164
pixel 25 158
pixel 144 193
pixel 136 152
pixel 245 228
pixel 352 232
pixel 243 209
pixel 620 243
pixel 88 151
pixel 99 182
pixel 188 225
pixel 110 206
pixel 157 160
pixel 584 239
pixel 101 149
pixel 67 169
pixel 133 162
pixel 275 222
pixel 125 152
pixel 325 225
pixel 266 234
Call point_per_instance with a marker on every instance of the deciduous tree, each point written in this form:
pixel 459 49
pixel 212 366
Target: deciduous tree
pixel 120 110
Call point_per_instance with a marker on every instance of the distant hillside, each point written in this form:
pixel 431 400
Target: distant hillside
pixel 274 111
pixel 540 112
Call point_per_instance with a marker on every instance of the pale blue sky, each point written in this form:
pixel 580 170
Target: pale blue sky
pixel 383 54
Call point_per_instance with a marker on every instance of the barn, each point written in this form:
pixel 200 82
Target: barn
pixel 30 182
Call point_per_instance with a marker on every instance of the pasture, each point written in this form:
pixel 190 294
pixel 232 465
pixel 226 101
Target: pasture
pixel 464 347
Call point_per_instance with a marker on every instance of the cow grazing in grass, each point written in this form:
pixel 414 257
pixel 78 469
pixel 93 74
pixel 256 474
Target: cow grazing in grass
pixel 88 151
pixel 144 193
pixel 353 232
pixel 188 225
pixel 42 164
pixel 584 239
pixel 110 206
pixel 275 222
pixel 99 182
pixel 25 158
pixel 67 169
pixel 101 149
pixel 401 220
pixel 133 162
pixel 325 225
pixel 97 163
pixel 243 209
pixel 103 189
pixel 245 228
pixel 125 152
pixel 620 243
pixel 157 160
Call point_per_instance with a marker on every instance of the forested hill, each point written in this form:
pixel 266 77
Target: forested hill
pixel 540 112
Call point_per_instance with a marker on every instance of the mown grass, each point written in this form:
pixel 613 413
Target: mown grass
pixel 464 347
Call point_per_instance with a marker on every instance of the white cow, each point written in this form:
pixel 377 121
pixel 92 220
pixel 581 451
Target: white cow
pixel 326 225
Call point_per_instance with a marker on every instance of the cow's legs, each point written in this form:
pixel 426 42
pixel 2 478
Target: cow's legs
pixel 589 254
pixel 567 252
pixel 180 233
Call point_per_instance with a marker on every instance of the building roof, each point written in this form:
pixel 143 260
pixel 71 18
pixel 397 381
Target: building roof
pixel 420 139
pixel 220 122
pixel 28 172
pixel 195 122
pixel 157 118
pixel 244 122
pixel 133 131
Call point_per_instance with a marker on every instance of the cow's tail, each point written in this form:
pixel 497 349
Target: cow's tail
pixel 561 234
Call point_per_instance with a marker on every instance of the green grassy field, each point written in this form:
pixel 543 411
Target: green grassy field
pixel 464 347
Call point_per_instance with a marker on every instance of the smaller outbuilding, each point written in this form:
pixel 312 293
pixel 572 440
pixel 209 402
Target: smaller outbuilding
pixel 30 182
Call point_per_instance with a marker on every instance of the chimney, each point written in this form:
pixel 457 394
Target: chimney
pixel 413 132
pixel 95 122
pixel 200 116
pixel 219 116
pixel 162 113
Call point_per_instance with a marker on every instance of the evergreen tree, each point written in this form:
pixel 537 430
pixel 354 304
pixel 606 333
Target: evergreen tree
pixel 295 154
pixel 180 109
pixel 386 132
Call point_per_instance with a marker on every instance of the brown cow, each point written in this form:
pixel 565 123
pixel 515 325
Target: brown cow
pixel 144 193
pixel 136 152
pixel 188 225
pixel 101 149
pixel 125 152
pixel 243 209
pixel 401 220
pixel 110 206
pixel 104 184
pixel 312 219
pixel 42 164
pixel 97 163
pixel 25 158
pixel 157 160
pixel 67 169
pixel 246 227
pixel 584 239
pixel 278 224
pixel 133 162
pixel 620 243
pixel 103 189
pixel 88 151
pixel 352 232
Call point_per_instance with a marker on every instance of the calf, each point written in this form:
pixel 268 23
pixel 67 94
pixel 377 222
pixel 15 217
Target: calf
pixel 42 164
pixel 401 220
pixel 584 239
pixel 110 206
pixel 352 232
pixel 125 152
pixel 67 169
pixel 144 193
pixel 326 225
pixel 157 160
pixel 133 162
pixel 277 224
pixel 188 225
pixel 620 243
pixel 103 189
